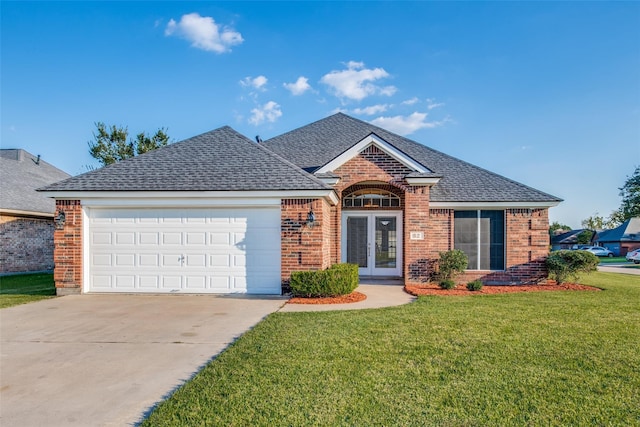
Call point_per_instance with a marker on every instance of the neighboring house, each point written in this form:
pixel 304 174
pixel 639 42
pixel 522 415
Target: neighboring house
pixel 567 240
pixel 26 216
pixel 218 213
pixel 622 239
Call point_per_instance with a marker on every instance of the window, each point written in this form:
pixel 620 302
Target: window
pixel 480 235
pixel 371 198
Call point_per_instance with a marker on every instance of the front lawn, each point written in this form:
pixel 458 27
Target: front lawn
pixel 24 288
pixel 544 358
pixel 613 260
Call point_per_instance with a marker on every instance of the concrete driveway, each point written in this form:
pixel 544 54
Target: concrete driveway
pixel 105 360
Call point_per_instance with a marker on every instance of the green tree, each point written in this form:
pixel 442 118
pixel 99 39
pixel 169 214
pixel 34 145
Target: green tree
pixel 110 144
pixel 584 238
pixel 594 222
pixel 630 193
pixel 557 228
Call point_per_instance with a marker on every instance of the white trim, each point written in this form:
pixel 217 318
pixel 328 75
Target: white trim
pixel 371 214
pixel 422 181
pixel 86 252
pixel 330 181
pixel 491 205
pixel 198 198
pixel 365 143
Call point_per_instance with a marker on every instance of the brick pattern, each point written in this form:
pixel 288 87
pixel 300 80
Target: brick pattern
pixel 527 246
pixel 26 244
pixel 372 164
pixel 304 247
pixel 418 259
pixel 68 249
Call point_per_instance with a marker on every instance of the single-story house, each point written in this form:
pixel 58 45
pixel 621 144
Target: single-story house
pixel 26 216
pixel 219 213
pixel 567 240
pixel 622 239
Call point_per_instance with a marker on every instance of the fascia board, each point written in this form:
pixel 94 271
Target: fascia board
pixel 192 198
pixel 421 181
pixel 492 205
pixel 381 144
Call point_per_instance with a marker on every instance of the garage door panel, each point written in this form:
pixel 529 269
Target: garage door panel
pixel 148 282
pixel 172 238
pixel 125 260
pixel 148 260
pixel 230 250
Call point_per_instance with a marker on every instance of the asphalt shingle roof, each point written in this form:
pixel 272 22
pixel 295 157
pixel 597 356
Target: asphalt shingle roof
pixel 220 160
pixel 20 176
pixel 316 144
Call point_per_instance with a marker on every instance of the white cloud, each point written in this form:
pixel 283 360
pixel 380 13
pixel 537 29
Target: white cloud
pixel 269 112
pixel 204 33
pixel 256 83
pixel 411 101
pixel 299 87
pixel 356 81
pixel 372 109
pixel 431 103
pixel 406 125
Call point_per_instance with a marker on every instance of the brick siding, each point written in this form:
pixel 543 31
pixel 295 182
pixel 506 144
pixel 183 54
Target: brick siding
pixel 68 249
pixel 26 244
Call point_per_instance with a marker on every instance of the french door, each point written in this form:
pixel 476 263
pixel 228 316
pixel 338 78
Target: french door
pixel 373 241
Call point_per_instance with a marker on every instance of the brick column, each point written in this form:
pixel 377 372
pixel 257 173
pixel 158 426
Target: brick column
pixel 67 252
pixel 417 264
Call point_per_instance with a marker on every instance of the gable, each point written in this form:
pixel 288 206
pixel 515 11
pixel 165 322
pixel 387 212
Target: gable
pixel 371 147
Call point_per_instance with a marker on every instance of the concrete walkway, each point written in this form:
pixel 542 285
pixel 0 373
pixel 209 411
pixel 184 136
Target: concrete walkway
pixel 379 294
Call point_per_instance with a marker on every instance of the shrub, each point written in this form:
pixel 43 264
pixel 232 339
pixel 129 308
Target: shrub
pixel 564 265
pixel 447 284
pixel 339 279
pixel 450 264
pixel 476 285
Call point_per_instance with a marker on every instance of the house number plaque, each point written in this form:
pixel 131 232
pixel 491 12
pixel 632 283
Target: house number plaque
pixel 416 235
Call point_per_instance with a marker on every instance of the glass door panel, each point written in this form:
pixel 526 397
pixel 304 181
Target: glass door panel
pixel 386 242
pixel 357 241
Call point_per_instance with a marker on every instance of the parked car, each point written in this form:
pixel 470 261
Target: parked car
pixel 599 251
pixel 634 256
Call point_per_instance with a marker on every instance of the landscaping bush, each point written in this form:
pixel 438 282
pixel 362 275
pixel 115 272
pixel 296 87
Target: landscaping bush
pixel 476 285
pixel 450 264
pixel 447 284
pixel 564 265
pixel 339 279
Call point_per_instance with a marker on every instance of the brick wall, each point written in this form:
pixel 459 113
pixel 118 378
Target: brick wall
pixel 418 255
pixel 68 249
pixel 304 247
pixel 526 245
pixel 26 244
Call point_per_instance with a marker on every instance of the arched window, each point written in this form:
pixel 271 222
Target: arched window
pixel 371 198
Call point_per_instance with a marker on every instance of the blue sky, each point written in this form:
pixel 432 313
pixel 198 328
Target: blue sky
pixel 545 93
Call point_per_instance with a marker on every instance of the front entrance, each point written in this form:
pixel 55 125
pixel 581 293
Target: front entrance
pixel 373 240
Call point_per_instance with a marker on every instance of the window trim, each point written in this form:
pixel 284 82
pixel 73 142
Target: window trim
pixel 479 244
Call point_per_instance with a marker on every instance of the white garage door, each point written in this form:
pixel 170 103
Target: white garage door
pixel 185 250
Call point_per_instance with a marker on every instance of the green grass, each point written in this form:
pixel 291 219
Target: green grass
pixel 24 288
pixel 547 358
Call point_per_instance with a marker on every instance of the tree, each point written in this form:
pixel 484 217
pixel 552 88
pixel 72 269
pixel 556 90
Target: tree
pixel 630 193
pixel 110 143
pixel 584 238
pixel 595 222
pixel 557 228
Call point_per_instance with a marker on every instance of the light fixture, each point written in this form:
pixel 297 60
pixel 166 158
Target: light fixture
pixel 311 219
pixel 59 220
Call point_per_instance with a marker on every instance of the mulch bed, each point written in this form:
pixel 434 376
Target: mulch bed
pixel 550 285
pixel 342 299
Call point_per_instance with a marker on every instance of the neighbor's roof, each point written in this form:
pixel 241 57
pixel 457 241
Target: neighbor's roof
pixel 220 160
pixel 20 174
pixel 568 238
pixel 316 144
pixel 627 231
